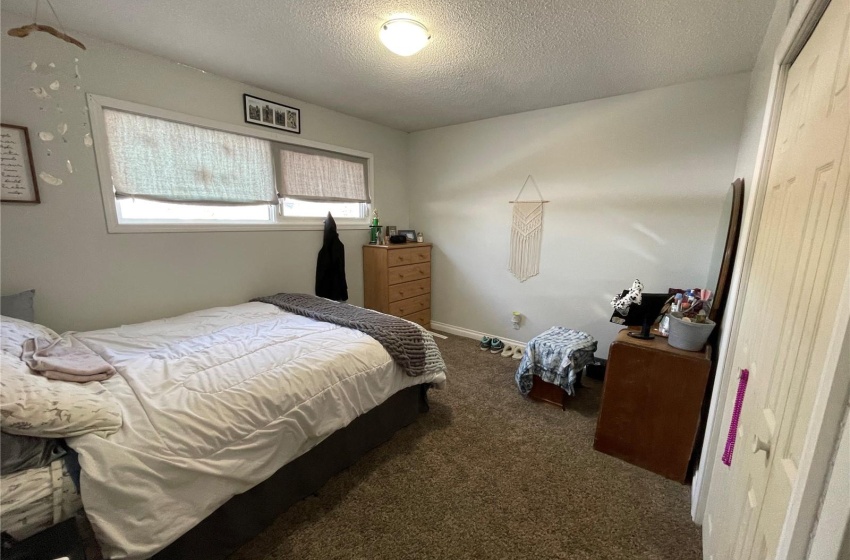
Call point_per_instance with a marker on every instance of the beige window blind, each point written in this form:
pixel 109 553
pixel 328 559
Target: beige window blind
pixel 311 174
pixel 162 160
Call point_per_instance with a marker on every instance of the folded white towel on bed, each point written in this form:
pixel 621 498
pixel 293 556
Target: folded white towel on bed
pixel 54 360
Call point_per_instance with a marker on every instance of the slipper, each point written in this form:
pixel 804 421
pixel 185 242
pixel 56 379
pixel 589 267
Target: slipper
pixel 508 351
pixel 518 351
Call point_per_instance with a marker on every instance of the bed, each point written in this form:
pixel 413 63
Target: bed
pixel 219 411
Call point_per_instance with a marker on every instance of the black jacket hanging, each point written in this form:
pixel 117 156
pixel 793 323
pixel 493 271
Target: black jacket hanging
pixel 330 266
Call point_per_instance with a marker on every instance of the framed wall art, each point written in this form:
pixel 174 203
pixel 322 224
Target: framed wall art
pixel 273 115
pixel 16 167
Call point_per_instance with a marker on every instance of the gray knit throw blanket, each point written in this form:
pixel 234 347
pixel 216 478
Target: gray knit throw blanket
pixel 411 346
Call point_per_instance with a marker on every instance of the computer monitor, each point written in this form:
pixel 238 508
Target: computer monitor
pixel 643 315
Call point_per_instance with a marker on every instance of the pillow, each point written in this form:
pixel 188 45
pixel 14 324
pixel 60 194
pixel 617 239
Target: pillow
pixel 32 405
pixel 13 333
pixel 19 306
pixel 18 453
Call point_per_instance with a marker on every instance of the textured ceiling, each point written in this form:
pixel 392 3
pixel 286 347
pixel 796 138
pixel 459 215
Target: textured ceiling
pixel 486 57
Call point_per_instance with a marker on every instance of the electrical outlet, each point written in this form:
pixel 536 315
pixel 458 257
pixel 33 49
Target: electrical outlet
pixel 516 320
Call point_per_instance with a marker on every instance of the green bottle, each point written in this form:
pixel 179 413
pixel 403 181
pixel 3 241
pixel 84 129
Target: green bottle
pixel 374 228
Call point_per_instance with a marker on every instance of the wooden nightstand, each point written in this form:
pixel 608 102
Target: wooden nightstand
pixel 397 280
pixel 651 404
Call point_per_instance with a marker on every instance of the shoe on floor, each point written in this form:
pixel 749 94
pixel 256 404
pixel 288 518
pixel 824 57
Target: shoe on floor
pixel 485 343
pixel 518 351
pixel 496 346
pixel 508 351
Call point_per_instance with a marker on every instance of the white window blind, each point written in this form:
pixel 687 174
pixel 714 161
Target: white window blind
pixel 162 160
pixel 309 174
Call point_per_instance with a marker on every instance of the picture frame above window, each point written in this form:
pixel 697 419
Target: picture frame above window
pixel 19 183
pixel 273 115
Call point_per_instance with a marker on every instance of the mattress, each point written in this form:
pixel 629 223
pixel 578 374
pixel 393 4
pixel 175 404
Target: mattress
pixel 35 499
pixel 213 403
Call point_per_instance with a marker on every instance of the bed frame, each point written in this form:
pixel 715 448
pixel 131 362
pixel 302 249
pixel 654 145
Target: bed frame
pixel 245 515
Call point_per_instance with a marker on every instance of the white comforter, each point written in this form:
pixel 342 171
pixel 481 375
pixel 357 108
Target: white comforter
pixel 214 402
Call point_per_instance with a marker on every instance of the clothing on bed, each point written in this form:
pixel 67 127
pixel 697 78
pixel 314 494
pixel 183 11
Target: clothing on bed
pixel 215 402
pixel 54 360
pixel 35 499
pixel 18 453
pixel 556 356
pixel 409 344
pixel 330 265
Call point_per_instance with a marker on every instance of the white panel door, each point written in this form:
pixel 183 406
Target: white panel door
pixel 799 267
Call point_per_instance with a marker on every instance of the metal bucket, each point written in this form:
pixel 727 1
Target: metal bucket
pixel 686 335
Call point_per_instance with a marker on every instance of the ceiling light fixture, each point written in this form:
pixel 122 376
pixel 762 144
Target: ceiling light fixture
pixel 404 36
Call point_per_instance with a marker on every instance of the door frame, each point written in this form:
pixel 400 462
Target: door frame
pixel 832 396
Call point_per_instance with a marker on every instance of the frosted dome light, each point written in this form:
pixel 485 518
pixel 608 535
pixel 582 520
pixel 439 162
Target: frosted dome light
pixel 404 36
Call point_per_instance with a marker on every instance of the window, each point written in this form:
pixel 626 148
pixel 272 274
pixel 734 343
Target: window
pixel 309 209
pixel 314 182
pixel 162 171
pixel 134 210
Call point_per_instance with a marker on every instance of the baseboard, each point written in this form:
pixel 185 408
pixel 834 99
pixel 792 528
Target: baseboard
pixel 468 333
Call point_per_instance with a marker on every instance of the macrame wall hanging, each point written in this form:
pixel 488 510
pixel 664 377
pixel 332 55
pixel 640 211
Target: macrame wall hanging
pixel 526 234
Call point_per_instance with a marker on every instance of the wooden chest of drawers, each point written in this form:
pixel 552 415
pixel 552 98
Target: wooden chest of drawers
pixel 397 280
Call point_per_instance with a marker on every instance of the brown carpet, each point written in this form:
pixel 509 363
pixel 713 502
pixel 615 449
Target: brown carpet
pixel 488 474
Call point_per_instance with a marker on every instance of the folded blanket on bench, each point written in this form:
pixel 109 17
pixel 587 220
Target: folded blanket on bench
pixel 557 356
pixel 410 345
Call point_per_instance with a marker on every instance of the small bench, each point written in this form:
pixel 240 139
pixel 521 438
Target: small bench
pixel 557 357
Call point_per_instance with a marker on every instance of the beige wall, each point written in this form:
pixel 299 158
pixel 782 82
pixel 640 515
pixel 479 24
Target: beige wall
pixel 86 278
pixel 636 184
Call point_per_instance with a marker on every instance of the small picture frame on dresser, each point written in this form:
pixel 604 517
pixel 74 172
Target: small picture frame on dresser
pixel 391 230
pixel 409 234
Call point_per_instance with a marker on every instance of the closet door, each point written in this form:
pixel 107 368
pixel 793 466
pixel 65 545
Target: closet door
pixel 799 270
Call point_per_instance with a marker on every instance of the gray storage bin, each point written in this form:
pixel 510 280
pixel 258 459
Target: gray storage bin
pixel 686 335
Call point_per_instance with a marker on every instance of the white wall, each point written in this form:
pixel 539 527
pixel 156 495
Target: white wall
pixel 86 278
pixel 635 183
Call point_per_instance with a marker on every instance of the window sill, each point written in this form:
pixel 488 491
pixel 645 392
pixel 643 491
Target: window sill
pixel 196 227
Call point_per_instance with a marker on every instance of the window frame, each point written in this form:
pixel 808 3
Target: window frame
pixel 96 105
